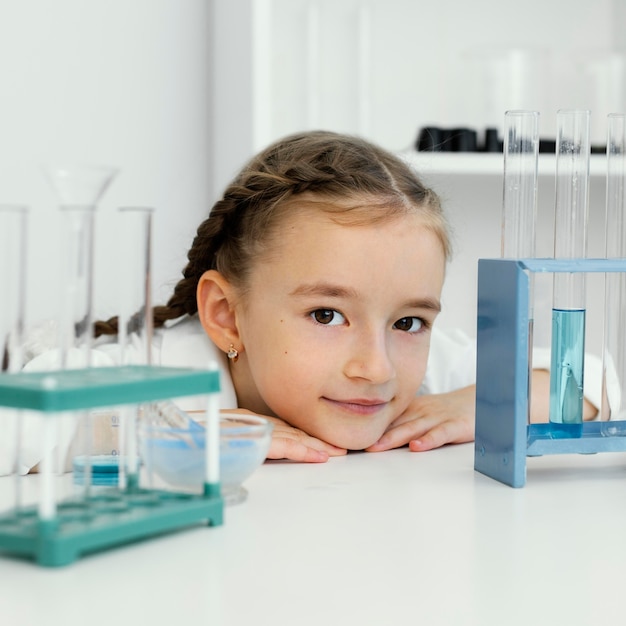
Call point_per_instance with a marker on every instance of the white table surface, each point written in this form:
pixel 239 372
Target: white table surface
pixel 368 539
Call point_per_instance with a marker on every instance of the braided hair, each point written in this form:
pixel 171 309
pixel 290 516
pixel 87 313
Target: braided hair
pixel 351 178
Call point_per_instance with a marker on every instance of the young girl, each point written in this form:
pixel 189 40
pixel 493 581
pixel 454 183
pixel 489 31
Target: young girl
pixel 316 282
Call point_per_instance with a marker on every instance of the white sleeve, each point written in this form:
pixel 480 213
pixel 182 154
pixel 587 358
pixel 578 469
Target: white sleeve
pixel 451 362
pixel 452 365
pixel 592 384
pixel 185 344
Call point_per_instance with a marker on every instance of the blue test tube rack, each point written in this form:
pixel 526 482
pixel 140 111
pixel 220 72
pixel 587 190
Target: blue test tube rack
pixel 82 525
pixel 504 438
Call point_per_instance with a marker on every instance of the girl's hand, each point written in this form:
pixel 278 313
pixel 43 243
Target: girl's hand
pixel 294 444
pixel 432 421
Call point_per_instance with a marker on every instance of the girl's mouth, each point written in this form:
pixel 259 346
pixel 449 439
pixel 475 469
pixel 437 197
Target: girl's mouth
pixel 359 406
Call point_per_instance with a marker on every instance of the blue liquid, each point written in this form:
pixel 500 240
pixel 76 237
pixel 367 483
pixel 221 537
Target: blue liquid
pixel 566 377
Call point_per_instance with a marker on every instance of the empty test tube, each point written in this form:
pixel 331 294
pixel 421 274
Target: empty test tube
pixel 519 202
pixel 134 322
pixel 570 242
pixel 614 352
pixel 13 229
pixel 13 280
pixel 135 305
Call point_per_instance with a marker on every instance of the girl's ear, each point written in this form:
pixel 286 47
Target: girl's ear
pixel 216 310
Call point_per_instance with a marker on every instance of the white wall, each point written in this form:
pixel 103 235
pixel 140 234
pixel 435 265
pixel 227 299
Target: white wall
pixel 384 68
pixel 179 93
pixel 118 82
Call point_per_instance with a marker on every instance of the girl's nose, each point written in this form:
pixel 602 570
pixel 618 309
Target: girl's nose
pixel 369 359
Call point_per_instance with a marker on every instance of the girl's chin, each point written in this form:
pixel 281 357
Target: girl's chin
pixel 350 440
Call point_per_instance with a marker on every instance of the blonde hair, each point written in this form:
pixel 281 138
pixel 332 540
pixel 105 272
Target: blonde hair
pixel 352 179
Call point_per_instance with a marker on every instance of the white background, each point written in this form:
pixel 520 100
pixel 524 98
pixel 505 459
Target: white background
pixel 178 93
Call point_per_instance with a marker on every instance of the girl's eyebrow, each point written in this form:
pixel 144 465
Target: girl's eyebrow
pixel 329 290
pixel 431 304
pixel 324 289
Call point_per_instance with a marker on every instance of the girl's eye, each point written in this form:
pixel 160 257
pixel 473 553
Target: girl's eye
pixel 328 317
pixel 409 324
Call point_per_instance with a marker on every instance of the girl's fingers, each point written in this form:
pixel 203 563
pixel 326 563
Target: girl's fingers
pixel 283 448
pixel 401 434
pixel 446 432
pixel 424 434
pixel 294 445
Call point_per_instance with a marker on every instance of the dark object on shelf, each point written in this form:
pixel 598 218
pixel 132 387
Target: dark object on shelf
pixel 437 139
pixel 547 145
pixel 429 139
pixel 446 140
pixel 492 142
pixel 464 140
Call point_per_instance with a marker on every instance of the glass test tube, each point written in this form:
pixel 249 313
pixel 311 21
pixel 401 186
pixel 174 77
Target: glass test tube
pixel 570 242
pixel 13 234
pixel 135 324
pixel 13 272
pixel 614 352
pixel 519 201
pixel 77 295
pixel 212 445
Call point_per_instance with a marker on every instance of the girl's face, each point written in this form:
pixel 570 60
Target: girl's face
pixel 336 325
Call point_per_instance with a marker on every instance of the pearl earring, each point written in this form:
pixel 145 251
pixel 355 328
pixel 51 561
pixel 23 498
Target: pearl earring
pixel 232 353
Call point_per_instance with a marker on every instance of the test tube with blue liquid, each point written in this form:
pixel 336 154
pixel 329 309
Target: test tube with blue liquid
pixel 569 292
pixel 613 406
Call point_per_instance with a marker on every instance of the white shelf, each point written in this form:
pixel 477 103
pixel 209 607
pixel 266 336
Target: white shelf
pixel 484 164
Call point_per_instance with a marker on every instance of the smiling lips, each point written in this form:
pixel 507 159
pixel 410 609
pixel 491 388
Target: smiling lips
pixel 360 406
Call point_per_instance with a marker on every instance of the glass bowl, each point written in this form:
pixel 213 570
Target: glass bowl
pixel 176 455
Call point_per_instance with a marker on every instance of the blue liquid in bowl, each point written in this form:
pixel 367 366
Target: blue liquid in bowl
pixel 178 456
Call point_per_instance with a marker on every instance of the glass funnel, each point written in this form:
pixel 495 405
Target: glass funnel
pixel 79 189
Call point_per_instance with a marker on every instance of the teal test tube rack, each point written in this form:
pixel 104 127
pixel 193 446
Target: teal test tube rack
pixel 59 532
pixel 504 438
